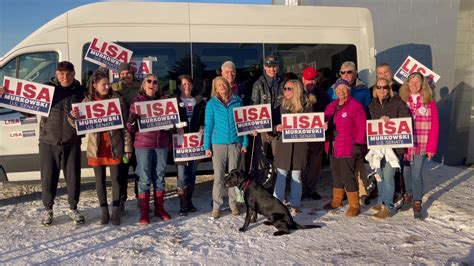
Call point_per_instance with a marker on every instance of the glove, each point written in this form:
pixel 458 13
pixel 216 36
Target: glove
pixel 132 118
pixel 357 150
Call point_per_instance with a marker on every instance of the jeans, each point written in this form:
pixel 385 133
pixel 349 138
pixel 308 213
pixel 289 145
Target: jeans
pixel 413 178
pixel 387 186
pixel 187 174
pixel 296 188
pixel 151 169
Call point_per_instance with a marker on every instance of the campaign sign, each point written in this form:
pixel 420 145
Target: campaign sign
pixel 253 118
pixel 26 96
pixel 395 133
pixel 107 54
pixel 411 65
pixel 157 115
pixel 98 116
pixel 188 147
pixel 306 127
pixel 140 68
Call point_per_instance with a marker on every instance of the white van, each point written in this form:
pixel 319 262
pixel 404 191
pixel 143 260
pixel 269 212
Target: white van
pixel 181 38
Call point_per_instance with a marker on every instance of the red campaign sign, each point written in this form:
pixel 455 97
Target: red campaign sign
pixel 107 54
pixel 306 127
pixel 188 147
pixel 157 114
pixel 98 116
pixel 26 96
pixel 253 118
pixel 411 65
pixel 140 68
pixel 395 133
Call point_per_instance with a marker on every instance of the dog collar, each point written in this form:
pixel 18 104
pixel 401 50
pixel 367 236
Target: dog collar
pixel 247 184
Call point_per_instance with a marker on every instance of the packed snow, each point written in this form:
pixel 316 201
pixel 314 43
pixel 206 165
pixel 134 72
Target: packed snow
pixel 446 236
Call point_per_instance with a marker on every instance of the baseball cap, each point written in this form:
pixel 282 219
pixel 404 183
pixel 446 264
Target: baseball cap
pixel 310 73
pixel 271 60
pixel 65 66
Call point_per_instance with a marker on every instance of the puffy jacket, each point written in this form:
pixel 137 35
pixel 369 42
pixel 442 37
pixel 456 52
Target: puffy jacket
pixel 120 139
pixel 147 140
pixel 56 129
pixel 359 91
pixel 346 127
pixel 219 123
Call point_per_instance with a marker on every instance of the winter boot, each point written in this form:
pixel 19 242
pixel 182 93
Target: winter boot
pixel 144 201
pixel 382 214
pixel 189 195
pixel 417 210
pixel 47 219
pixel 407 201
pixel 104 219
pixel 116 215
pixel 183 201
pixel 159 197
pixel 354 206
pixel 337 196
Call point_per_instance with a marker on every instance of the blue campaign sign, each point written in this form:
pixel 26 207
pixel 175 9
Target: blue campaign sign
pixel 188 147
pixel 26 96
pixel 107 54
pixel 305 127
pixel 253 118
pixel 157 114
pixel 98 116
pixel 395 133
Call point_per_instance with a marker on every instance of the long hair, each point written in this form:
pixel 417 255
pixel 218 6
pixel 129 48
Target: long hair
pixel 426 92
pixel 390 90
pixel 214 87
pixel 299 100
pixel 94 79
pixel 142 87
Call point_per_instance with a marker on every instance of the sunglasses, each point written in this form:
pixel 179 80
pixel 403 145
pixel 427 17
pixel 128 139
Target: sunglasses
pixel 346 72
pixel 155 82
pixel 386 87
pixel 287 89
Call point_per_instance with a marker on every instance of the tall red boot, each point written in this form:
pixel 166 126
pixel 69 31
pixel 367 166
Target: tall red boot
pixel 144 201
pixel 159 210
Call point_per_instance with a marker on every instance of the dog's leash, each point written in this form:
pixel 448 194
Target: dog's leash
pixel 251 156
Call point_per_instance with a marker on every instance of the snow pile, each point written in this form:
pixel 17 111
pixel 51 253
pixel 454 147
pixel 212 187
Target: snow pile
pixel 446 236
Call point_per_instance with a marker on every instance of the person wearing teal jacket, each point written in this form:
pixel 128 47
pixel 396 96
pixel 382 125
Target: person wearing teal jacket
pixel 222 142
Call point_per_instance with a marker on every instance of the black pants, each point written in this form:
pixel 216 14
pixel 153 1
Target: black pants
pixel 101 184
pixel 343 170
pixel 311 176
pixel 53 158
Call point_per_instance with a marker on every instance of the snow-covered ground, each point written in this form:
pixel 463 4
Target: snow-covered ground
pixel 446 236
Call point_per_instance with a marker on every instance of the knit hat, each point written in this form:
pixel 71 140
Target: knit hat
pixel 310 73
pixel 271 60
pixel 343 82
pixel 125 66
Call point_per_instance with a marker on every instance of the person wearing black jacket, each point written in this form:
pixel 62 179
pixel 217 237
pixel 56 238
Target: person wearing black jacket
pixel 59 144
pixel 191 111
pixel 311 175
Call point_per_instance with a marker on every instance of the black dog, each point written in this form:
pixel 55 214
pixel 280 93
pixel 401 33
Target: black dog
pixel 259 200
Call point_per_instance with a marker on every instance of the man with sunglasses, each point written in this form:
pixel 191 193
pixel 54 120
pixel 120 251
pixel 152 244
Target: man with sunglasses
pixel 361 93
pixel 128 88
pixel 310 176
pixel 266 90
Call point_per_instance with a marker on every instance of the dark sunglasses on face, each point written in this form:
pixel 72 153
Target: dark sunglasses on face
pixel 287 89
pixel 155 82
pixel 386 87
pixel 346 72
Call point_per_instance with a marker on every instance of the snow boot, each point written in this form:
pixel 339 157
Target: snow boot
pixel 354 206
pixel 144 201
pixel 76 217
pixel 407 201
pixel 189 195
pixel 104 219
pixel 337 196
pixel 183 201
pixel 417 210
pixel 47 219
pixel 116 215
pixel 159 198
pixel 382 214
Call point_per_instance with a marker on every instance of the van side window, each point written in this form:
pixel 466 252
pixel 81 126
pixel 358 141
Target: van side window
pixel 9 70
pixel 37 67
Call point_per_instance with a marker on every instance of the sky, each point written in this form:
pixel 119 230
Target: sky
pixel 20 18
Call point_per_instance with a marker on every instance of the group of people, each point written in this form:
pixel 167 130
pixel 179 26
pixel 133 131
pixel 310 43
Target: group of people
pixel 346 105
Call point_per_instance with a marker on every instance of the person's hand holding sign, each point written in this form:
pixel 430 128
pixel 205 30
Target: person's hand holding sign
pixel 325 126
pixel 279 128
pixel 385 118
pixel 3 90
pixel 208 153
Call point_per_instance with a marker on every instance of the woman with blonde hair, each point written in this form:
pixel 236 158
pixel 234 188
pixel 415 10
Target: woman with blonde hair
pixel 418 95
pixel 222 142
pixel 291 156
